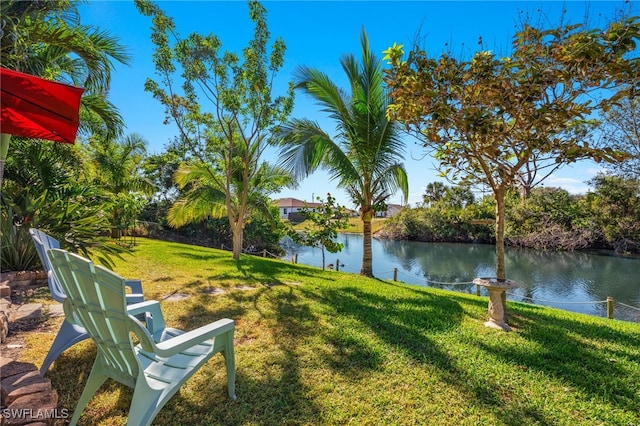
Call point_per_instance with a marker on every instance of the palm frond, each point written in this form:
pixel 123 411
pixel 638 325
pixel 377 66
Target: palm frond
pixel 196 174
pixel 307 148
pixel 319 86
pixel 365 155
pixel 394 178
pixel 197 204
pixel 107 114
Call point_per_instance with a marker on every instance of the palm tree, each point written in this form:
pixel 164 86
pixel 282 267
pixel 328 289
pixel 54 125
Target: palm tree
pixel 364 158
pixel 118 172
pixel 208 196
pixel 434 192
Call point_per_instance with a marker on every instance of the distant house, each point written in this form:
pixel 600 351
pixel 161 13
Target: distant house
pixel 392 210
pixel 290 207
pixel 352 213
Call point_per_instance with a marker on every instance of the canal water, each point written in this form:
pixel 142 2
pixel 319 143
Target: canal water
pixel 574 281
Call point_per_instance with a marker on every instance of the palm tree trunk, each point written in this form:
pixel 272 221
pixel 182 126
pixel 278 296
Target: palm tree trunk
pixel 367 255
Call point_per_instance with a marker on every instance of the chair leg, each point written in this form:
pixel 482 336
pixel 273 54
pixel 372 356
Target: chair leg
pixel 95 380
pixel 145 405
pixel 68 335
pixel 230 363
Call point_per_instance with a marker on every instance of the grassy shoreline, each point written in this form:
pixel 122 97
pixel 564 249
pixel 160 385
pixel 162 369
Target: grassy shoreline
pixel 354 225
pixel 331 348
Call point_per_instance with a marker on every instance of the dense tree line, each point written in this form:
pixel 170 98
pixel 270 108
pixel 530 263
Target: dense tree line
pixel 211 186
pixel 608 217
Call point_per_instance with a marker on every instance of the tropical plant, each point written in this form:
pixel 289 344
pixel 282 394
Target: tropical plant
pixel 46 39
pixel 364 158
pixel 321 226
pixel 46 187
pixel 117 171
pixel 204 197
pixel 74 218
pixel 224 114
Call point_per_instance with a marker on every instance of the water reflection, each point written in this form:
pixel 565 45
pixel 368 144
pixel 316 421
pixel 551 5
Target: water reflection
pixel 575 281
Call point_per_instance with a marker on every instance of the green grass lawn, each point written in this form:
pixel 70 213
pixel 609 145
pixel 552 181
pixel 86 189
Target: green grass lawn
pixel 330 348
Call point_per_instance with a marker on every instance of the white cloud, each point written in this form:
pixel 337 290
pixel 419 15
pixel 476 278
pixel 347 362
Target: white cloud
pixel 573 185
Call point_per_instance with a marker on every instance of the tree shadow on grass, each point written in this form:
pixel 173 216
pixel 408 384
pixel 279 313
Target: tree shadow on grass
pixel 251 266
pixel 267 399
pixel 272 389
pixel 269 385
pixel 412 323
pixel 399 321
pixel 581 354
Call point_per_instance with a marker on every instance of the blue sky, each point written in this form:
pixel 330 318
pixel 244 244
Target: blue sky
pixel 317 34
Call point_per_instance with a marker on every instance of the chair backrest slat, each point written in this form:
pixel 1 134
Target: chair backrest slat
pixel 97 298
pixel 44 242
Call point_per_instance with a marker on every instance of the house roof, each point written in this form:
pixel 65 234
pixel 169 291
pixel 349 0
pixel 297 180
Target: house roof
pixel 294 202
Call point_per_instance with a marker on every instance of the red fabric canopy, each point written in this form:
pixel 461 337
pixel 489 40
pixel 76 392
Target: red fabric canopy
pixel 37 108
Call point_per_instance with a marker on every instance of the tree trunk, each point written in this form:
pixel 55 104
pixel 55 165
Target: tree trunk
pixel 5 139
pixel 367 255
pixel 500 195
pixel 237 230
pixel 500 268
pixel 116 233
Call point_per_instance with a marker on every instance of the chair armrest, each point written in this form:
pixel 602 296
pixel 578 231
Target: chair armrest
pixel 134 285
pixel 134 298
pixel 184 341
pixel 142 333
pixel 153 314
pixel 142 307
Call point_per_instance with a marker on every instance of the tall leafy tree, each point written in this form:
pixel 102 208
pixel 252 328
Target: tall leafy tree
pixel 621 129
pixel 365 156
pixel 489 116
pixel 225 109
